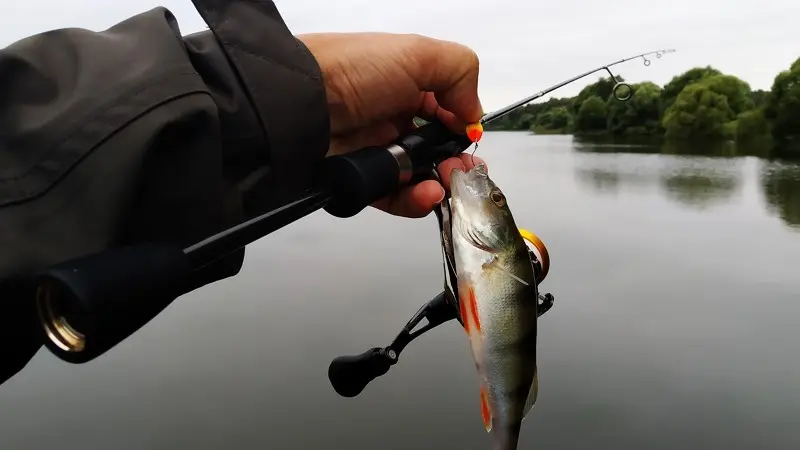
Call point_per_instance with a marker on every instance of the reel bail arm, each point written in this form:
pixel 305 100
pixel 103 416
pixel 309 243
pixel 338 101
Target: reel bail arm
pixel 349 375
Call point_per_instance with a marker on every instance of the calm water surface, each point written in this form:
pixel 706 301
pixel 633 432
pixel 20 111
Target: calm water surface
pixel 675 326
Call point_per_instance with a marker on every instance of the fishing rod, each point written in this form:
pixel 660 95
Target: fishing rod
pixel 614 91
pixel 88 305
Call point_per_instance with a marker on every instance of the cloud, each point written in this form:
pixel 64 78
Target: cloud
pixel 524 46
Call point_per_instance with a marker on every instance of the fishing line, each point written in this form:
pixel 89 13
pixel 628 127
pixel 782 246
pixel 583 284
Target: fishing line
pixel 472 156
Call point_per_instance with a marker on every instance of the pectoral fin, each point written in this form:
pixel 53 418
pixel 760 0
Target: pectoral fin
pixel 473 236
pixel 494 264
pixel 486 409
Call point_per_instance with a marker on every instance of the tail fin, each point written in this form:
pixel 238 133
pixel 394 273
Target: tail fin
pixel 505 438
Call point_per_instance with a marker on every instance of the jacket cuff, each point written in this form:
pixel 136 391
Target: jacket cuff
pixel 282 80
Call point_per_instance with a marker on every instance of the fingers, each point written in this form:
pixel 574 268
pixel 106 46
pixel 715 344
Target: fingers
pixel 450 71
pixel 413 201
pixel 419 200
pixel 464 161
pixel 430 110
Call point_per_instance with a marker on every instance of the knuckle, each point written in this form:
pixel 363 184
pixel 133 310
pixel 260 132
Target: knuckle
pixel 466 54
pixel 417 40
pixel 474 59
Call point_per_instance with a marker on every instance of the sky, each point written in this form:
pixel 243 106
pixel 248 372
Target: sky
pixel 524 46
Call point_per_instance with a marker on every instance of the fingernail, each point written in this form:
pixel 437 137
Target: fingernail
pixel 441 197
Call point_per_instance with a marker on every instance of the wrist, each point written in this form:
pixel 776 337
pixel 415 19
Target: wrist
pixel 332 71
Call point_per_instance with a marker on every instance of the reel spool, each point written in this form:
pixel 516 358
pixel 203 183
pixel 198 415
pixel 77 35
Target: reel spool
pixel 537 247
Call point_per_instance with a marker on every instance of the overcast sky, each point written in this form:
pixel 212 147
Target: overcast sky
pixel 524 45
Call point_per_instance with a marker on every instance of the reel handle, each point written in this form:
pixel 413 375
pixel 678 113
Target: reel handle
pixel 349 375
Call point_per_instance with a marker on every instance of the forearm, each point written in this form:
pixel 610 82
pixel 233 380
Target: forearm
pixel 137 134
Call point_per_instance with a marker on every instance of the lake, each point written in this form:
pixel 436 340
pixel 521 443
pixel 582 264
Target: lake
pixel 677 297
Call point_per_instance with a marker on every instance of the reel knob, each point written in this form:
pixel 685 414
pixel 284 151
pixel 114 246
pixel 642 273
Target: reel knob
pixel 349 375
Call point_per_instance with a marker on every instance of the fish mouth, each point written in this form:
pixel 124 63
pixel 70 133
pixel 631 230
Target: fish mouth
pixel 471 215
pixel 470 184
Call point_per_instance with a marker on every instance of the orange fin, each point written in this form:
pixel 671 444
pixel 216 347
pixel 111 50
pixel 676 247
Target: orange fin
pixel 473 310
pixel 486 410
pixel 468 308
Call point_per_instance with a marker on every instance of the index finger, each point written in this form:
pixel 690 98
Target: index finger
pixel 450 71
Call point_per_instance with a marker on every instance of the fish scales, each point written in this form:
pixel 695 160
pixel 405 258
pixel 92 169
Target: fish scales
pixel 498 300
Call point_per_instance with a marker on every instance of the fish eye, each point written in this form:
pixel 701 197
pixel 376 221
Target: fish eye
pixel 498 198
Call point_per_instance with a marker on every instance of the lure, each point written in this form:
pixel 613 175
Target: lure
pixel 475 132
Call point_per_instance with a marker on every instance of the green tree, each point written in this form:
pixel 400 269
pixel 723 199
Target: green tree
pixel 507 122
pixel 752 125
pixel 539 108
pixel 697 113
pixel 557 119
pixel 679 82
pixel 759 97
pixel 591 115
pixel 562 119
pixel 601 88
pixel 525 121
pixel 783 104
pixel 638 115
pixel 734 89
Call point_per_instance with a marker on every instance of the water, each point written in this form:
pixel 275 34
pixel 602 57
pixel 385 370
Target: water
pixel 677 299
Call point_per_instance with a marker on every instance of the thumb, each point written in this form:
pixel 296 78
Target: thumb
pixel 450 71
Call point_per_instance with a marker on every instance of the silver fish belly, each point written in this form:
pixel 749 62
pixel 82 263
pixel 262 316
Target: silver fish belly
pixel 498 300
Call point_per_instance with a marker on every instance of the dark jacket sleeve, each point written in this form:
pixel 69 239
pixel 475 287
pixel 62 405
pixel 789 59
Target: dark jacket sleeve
pixel 137 134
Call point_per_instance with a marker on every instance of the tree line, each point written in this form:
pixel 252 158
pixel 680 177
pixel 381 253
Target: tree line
pixel 701 104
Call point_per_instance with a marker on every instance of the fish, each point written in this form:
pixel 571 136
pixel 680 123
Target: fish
pixel 497 301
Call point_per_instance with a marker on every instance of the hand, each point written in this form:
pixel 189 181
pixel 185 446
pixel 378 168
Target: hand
pixel 377 82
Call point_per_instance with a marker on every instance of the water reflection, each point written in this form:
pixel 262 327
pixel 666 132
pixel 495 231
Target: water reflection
pixel 612 144
pixel 700 175
pixel 697 183
pixel 701 189
pixel 613 176
pixel 600 179
pixel 650 145
pixel 780 184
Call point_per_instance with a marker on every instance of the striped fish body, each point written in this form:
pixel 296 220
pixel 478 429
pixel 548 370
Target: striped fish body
pixel 498 300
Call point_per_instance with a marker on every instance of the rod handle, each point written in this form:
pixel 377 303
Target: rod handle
pixel 88 305
pixel 360 178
